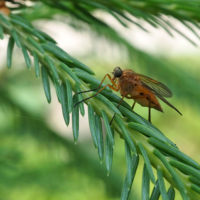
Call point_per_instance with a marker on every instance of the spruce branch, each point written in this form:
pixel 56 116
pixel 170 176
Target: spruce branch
pixel 125 12
pixel 141 137
pixel 150 64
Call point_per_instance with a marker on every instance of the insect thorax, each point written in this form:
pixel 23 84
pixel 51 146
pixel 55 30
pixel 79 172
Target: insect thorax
pixel 125 85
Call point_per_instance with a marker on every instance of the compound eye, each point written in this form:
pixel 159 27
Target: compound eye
pixel 118 72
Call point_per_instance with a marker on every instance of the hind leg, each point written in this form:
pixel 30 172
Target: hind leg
pixel 133 105
pixel 140 97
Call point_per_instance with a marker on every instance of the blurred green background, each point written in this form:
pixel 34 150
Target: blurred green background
pixel 38 158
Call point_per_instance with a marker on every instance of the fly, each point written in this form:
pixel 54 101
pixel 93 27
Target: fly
pixel 140 88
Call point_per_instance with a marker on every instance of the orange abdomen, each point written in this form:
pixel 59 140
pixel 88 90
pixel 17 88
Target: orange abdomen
pixel 145 101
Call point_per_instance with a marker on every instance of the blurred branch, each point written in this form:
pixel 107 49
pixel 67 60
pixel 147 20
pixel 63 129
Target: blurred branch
pixel 28 131
pixel 125 12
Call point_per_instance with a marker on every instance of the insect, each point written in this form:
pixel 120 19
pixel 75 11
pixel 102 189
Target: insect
pixel 140 88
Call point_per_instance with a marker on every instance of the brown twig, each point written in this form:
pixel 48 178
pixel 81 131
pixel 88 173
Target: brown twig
pixel 3 8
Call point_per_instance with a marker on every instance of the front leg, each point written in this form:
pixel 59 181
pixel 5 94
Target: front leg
pixel 108 85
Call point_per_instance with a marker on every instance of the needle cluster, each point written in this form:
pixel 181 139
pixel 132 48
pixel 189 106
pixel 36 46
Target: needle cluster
pixel 69 76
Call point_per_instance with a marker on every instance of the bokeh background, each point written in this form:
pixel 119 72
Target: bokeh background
pixel 38 158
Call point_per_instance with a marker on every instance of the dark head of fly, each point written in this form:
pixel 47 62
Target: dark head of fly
pixel 117 72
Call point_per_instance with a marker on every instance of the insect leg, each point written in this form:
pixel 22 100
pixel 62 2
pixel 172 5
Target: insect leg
pixel 117 107
pixel 149 109
pixel 100 84
pixel 133 105
pixel 140 97
pixel 110 86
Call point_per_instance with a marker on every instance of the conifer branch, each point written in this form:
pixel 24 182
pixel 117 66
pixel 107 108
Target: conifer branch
pixel 69 74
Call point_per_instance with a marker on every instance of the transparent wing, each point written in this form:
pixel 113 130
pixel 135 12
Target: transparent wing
pixel 154 86
pixel 164 100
